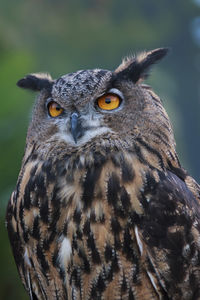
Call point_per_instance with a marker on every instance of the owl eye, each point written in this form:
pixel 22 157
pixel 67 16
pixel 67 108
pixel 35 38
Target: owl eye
pixel 54 109
pixel 109 101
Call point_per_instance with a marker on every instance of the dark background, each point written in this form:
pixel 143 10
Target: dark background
pixel 62 36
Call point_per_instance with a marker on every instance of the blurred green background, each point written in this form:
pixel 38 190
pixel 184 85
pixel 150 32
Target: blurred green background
pixel 63 36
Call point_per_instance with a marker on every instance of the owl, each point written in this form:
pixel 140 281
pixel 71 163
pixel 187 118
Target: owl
pixel 102 209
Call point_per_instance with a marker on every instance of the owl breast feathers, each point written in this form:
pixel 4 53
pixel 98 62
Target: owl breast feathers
pixel 102 207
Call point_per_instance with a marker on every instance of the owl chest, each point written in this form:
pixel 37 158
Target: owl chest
pixel 82 204
pixel 83 225
pixel 102 209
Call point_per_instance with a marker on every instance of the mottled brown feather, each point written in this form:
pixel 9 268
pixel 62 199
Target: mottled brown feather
pixel 113 215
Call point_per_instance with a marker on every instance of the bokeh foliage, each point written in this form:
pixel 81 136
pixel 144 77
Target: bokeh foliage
pixel 63 36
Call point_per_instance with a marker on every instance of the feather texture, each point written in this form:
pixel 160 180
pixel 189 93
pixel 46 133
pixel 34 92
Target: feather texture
pixel 111 215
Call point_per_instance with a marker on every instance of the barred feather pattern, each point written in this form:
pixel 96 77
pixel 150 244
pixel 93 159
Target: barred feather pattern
pixel 91 226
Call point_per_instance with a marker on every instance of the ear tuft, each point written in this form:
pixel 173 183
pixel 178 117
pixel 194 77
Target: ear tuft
pixel 36 82
pixel 136 68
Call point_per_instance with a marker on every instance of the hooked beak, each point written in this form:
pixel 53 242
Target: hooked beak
pixel 76 128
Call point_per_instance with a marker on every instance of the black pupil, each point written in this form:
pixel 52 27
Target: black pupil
pixel 57 107
pixel 108 100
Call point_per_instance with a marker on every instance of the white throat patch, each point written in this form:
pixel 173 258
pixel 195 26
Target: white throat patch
pixel 94 129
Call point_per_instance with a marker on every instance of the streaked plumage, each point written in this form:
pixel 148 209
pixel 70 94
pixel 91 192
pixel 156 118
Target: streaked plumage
pixel 102 208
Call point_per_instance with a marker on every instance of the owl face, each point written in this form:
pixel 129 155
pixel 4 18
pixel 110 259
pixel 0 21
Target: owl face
pixel 81 114
pixel 91 106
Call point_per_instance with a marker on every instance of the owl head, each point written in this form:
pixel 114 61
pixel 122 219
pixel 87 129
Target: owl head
pixel 99 107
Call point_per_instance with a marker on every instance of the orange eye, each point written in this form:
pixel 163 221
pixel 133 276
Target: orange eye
pixel 109 102
pixel 54 109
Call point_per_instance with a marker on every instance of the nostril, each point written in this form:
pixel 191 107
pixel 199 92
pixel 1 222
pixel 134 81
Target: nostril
pixel 74 115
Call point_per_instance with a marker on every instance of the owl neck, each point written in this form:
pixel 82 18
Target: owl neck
pixel 159 155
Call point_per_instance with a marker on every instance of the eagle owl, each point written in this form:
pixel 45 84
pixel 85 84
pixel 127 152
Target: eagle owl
pixel 102 208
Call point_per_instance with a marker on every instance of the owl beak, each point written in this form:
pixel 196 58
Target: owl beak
pixel 76 128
